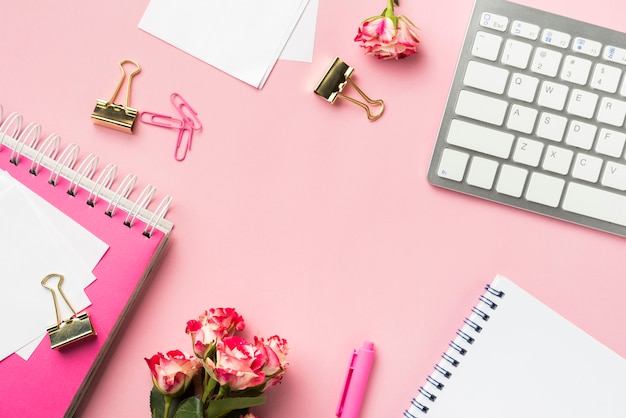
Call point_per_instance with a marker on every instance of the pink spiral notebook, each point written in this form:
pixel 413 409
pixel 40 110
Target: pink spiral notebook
pixel 52 382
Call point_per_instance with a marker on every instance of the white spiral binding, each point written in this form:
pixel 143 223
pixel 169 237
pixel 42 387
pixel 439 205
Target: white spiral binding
pixel 54 141
pixel 14 120
pixel 24 142
pixel 159 213
pixel 86 169
pixel 32 131
pixel 444 370
pixel 67 159
pixel 123 190
pixel 142 202
pixel 105 179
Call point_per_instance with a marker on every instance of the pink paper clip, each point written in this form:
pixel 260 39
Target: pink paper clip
pixel 164 121
pixel 186 111
pixel 183 142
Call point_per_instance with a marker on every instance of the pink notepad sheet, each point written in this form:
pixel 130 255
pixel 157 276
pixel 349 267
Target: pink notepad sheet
pixel 49 381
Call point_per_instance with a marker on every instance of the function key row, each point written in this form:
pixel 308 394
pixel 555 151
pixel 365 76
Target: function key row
pixel 553 37
pixel 546 61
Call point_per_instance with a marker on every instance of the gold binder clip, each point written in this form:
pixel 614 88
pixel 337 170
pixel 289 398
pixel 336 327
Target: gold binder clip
pixel 335 80
pixel 72 329
pixel 113 115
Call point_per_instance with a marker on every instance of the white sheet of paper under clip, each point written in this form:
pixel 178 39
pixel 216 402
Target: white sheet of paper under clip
pixel 35 249
pixel 85 247
pixel 243 38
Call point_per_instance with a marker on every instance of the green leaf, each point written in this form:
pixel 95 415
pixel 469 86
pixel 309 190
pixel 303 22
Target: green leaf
pixel 219 407
pixel 189 408
pixel 157 403
pixel 208 388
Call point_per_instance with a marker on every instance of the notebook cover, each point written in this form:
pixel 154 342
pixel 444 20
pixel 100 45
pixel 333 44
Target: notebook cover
pixel 51 383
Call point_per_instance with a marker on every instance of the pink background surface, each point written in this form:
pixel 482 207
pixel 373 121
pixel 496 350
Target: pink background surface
pixel 313 222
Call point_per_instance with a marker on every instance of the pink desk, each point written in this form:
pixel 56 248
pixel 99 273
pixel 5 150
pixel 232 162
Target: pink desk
pixel 313 222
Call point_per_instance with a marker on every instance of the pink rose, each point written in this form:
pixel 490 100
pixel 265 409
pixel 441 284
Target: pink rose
pixel 211 326
pixel 249 415
pixel 172 373
pixel 388 36
pixel 275 351
pixel 238 363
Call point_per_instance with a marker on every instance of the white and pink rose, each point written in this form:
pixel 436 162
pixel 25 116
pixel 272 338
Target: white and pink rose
pixel 388 36
pixel 173 372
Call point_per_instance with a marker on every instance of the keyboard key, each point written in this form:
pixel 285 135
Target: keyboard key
pixel 482 172
pixel 525 30
pixel 544 189
pixel 555 38
pixel 478 138
pixel 581 134
pixel 486 46
pixel 551 127
pixel 480 107
pixel 582 103
pixel 605 78
pixel 614 54
pixel 552 95
pixel 452 164
pixel 557 159
pixel 587 46
pixel 595 203
pixel 528 151
pixel 612 111
pixel 493 21
pixel 546 62
pixel 587 167
pixel 614 176
pixel 576 70
pixel 511 180
pixel 516 54
pixel 523 87
pixel 610 142
pixel 486 77
pixel 522 118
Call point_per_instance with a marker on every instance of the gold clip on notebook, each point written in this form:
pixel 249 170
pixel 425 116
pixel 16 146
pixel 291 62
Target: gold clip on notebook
pixel 334 81
pixel 113 115
pixel 70 330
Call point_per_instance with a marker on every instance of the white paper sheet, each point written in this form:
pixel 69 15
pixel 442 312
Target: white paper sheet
pixel 243 38
pixel 302 40
pixel 37 239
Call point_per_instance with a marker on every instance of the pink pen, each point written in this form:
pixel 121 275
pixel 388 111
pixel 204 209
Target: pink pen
pixel 356 381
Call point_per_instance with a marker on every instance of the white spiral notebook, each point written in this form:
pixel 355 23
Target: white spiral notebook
pixel 515 357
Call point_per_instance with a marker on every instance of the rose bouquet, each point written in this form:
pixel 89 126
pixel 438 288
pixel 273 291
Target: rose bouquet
pixel 224 377
pixel 388 36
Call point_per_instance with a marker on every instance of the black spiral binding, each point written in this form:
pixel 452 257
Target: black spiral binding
pixel 472 326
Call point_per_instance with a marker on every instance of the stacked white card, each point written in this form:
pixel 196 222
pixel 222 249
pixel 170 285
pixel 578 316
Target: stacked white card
pixel 243 38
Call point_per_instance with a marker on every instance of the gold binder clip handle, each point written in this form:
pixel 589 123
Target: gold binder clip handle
pixel 69 330
pixel 335 80
pixel 113 115
pixel 121 82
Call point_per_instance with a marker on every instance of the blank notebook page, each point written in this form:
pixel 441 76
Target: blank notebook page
pixel 527 361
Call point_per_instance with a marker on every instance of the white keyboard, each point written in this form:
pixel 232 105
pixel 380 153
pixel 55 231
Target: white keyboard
pixel 535 116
